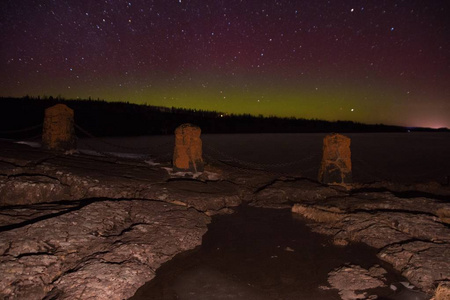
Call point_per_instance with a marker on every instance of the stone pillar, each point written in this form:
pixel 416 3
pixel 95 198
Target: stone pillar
pixel 187 155
pixel 336 166
pixel 58 131
pixel 443 291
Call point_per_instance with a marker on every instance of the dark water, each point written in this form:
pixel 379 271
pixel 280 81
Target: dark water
pixel 258 254
pixel 399 157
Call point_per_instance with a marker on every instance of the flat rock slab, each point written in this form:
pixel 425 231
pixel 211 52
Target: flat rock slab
pixel 385 201
pixel 19 216
pixel 409 234
pixel 287 192
pixel 354 281
pixel 14 154
pixel 425 264
pixel 104 250
pixel 204 196
pixel 60 228
pixel 29 176
pixel 430 189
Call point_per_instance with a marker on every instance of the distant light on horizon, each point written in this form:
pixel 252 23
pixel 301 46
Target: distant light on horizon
pixel 432 125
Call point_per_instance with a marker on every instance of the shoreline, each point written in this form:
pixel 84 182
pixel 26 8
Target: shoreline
pixel 99 188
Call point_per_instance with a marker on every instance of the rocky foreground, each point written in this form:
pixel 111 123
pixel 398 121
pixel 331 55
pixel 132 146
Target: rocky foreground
pixel 75 226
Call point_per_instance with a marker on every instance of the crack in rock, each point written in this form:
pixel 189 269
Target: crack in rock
pixel 53 256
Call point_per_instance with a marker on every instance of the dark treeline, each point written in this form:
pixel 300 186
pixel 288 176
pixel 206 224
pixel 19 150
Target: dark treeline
pixel 103 118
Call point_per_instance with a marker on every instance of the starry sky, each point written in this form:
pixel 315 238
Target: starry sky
pixel 378 61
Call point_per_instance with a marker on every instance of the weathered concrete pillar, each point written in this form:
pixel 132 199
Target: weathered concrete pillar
pixel 336 166
pixel 442 292
pixel 58 131
pixel 187 155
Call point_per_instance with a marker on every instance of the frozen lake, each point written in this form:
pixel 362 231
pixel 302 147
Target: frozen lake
pixel 400 157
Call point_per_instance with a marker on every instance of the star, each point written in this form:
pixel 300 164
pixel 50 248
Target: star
pixel 309 57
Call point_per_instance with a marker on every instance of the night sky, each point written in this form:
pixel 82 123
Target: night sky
pixel 379 61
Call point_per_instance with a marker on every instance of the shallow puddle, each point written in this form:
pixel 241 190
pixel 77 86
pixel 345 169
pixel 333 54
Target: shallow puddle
pixel 259 253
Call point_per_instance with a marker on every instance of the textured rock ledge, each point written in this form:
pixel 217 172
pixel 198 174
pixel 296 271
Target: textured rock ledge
pixel 106 225
pixel 104 250
pixel 30 176
pixel 415 241
pixel 408 224
pixel 80 227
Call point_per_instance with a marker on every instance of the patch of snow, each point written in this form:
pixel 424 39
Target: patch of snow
pixel 31 144
pixel 114 154
pixel 408 285
pixel 151 163
pixel 197 175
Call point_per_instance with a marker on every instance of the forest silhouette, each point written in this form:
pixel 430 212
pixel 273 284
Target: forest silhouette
pixel 102 118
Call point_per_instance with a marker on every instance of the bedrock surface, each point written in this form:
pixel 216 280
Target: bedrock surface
pixel 103 250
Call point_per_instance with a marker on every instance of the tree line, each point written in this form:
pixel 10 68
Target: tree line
pixel 102 118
